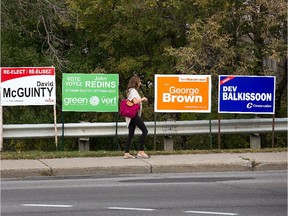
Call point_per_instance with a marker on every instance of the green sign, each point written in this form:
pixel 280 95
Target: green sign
pixel 90 92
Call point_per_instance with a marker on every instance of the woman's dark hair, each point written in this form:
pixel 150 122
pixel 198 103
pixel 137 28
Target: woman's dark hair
pixel 134 82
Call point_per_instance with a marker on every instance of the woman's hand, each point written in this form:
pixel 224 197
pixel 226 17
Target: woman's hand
pixel 144 99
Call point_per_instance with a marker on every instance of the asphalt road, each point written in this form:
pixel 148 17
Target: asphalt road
pixel 196 194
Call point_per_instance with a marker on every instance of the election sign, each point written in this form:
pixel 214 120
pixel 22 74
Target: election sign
pixel 182 93
pixel 90 92
pixel 246 94
pixel 28 86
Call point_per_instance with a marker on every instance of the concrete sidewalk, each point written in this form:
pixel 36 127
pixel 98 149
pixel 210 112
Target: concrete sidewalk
pixel 156 164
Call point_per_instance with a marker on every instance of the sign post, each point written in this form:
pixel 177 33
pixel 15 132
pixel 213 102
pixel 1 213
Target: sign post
pixel 1 128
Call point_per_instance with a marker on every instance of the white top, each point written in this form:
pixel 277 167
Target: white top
pixel 133 93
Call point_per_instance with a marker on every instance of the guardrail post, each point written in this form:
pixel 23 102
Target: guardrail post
pixel 255 141
pixel 83 144
pixel 168 139
pixel 168 143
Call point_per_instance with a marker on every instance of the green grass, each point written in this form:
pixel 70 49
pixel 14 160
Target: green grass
pixel 77 154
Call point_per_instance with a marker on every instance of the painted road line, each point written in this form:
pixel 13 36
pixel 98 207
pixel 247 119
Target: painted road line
pixel 47 205
pixel 211 213
pixel 130 209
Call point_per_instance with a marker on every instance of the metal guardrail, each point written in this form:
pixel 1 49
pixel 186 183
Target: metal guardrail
pixel 164 128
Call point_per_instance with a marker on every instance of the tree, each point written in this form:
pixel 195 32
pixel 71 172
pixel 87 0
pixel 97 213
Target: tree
pixel 39 26
pixel 236 37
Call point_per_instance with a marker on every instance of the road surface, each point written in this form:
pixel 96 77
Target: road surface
pixel 195 194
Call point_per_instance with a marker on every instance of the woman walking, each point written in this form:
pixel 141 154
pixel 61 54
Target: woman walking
pixel 133 95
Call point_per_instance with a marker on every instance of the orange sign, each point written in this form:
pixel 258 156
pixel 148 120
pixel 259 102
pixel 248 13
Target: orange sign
pixel 182 93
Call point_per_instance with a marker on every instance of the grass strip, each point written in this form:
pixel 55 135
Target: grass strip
pixel 77 154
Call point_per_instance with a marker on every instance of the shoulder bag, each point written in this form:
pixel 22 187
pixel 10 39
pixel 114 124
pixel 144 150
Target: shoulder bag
pixel 128 108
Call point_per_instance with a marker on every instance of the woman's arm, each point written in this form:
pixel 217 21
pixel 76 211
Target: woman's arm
pixel 136 101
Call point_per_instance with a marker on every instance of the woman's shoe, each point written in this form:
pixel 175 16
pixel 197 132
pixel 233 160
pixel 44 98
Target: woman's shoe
pixel 128 156
pixel 143 155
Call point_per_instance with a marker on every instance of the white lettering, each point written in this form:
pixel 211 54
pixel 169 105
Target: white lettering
pixel 230 88
pixel 167 97
pixel 68 101
pixel 100 84
pixel 109 100
pixel 74 79
pixel 246 96
pixel 190 91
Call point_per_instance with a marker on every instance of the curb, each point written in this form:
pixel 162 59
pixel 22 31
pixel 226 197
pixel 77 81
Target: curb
pixel 37 172
pixel 156 164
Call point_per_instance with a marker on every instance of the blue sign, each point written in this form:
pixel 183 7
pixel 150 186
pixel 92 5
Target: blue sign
pixel 246 94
